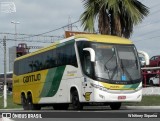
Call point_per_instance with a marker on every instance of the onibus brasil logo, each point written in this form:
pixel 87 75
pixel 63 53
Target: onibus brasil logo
pixel 7 7
pixel 10 116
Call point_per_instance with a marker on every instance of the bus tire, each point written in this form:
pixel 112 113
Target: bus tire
pixel 32 106
pixel 151 83
pixel 75 101
pixel 24 102
pixel 115 106
pixel 60 106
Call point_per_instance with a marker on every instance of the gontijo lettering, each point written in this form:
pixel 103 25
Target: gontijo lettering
pixel 31 78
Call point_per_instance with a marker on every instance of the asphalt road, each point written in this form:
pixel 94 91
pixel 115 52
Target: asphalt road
pixel 129 113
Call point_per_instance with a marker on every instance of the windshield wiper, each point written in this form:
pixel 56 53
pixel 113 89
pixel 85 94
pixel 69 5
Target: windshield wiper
pixel 105 65
pixel 106 69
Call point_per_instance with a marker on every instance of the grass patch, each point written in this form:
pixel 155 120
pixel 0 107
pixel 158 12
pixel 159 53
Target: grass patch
pixel 10 104
pixel 150 100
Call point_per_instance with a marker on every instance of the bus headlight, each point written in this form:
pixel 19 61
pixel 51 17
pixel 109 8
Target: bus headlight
pixel 139 87
pixel 99 87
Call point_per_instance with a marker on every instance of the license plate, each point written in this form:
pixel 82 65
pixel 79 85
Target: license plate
pixel 121 97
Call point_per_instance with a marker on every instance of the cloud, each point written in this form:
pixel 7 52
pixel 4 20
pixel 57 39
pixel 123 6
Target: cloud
pixel 45 15
pixel 147 34
pixel 38 16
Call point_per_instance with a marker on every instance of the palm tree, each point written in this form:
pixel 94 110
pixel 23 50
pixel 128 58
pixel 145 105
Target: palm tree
pixel 115 17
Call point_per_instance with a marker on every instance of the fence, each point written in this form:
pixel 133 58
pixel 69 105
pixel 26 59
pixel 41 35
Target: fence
pixel 151 76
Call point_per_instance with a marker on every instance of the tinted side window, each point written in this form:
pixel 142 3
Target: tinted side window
pixel 73 59
pixel 16 64
pixel 63 55
pixel 30 64
pixel 21 67
pixel 66 55
pixel 54 58
pixel 59 53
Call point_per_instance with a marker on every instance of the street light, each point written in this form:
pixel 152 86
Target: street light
pixel 15 23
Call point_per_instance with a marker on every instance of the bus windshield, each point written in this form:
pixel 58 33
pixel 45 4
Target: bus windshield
pixel 116 62
pixel 113 63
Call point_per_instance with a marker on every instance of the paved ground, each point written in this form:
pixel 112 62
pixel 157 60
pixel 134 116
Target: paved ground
pixel 92 111
pixel 87 115
pixel 151 91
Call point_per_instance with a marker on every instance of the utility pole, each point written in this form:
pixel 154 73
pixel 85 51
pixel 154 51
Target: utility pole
pixel 69 24
pixel 5 83
pixel 15 37
pixel 8 7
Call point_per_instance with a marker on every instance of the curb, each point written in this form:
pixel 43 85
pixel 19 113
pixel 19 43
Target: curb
pixel 141 107
pixel 103 108
pixel 18 109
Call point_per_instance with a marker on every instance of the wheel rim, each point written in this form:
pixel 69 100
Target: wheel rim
pixel 151 83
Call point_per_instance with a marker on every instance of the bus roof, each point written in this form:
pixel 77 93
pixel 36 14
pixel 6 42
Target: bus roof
pixel 87 37
pixel 104 38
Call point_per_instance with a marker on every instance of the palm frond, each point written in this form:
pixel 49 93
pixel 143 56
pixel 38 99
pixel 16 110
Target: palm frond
pixel 115 17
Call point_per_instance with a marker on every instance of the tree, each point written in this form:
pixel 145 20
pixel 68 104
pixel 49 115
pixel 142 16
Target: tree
pixel 115 17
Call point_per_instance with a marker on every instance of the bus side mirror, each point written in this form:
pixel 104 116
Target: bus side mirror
pixel 92 53
pixel 146 57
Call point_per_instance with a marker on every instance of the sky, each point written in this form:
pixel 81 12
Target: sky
pixel 39 16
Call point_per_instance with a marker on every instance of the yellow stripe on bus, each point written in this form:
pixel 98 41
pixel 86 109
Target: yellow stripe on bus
pixel 104 38
pixel 25 85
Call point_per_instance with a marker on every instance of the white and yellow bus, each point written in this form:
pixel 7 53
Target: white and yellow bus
pixel 80 70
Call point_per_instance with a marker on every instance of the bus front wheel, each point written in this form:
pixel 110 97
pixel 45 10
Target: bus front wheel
pixel 75 101
pixel 115 106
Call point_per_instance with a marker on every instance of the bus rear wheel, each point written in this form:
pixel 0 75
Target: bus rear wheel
pixel 32 106
pixel 24 102
pixel 75 101
pixel 115 106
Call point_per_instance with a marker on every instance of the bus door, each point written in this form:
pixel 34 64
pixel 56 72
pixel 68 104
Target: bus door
pixel 88 72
